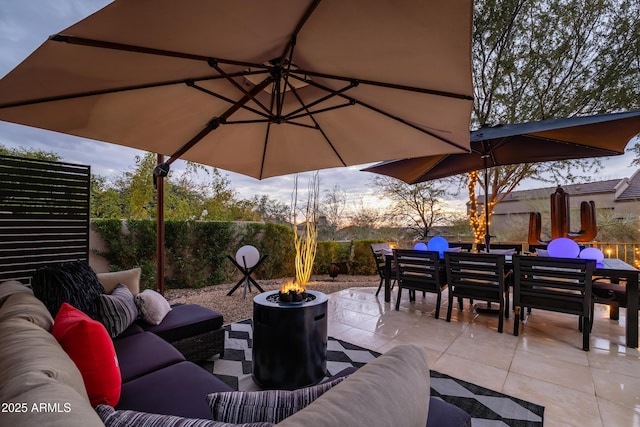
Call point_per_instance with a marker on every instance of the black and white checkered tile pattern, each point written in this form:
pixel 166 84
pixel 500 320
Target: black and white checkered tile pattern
pixel 487 407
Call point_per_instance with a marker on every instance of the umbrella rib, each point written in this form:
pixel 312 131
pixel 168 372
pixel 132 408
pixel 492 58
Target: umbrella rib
pixel 384 84
pixel 322 110
pixel 354 101
pixel 266 142
pixel 213 63
pixel 303 20
pixel 217 121
pixel 229 100
pixel 318 101
pixel 158 52
pixel 288 53
pixel 295 93
pixel 111 90
pixel 240 122
pixel 147 50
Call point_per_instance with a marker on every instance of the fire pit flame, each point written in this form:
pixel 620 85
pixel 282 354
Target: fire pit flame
pixel 292 292
pixel 292 286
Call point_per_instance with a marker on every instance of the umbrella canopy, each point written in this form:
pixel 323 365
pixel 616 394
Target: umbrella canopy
pixel 531 142
pixel 258 87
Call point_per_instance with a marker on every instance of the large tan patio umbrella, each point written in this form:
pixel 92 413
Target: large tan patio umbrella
pixel 531 142
pixel 258 87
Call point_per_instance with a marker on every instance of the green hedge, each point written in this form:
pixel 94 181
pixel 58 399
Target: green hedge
pixel 196 251
pixel 362 262
pixel 332 253
pixel 273 240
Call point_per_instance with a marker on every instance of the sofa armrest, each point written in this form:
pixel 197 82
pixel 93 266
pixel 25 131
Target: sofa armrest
pixel 393 389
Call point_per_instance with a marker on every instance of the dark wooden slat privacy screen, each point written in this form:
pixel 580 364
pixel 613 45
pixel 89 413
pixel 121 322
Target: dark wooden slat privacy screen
pixel 44 215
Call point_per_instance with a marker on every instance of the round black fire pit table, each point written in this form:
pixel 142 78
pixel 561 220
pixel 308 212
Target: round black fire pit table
pixel 289 341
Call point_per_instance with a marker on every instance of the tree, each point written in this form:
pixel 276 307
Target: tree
pixel 615 228
pixel 418 207
pixel 332 210
pixel 536 60
pixel 271 210
pixel 187 196
pixel 105 200
pixel 136 187
pixel 364 222
pixel 29 153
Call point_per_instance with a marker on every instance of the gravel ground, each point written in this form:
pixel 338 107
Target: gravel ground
pixel 234 308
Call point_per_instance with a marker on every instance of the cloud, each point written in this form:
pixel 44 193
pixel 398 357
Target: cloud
pixel 26 24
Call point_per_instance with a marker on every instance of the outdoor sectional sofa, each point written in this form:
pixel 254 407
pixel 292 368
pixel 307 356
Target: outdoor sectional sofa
pixel 43 383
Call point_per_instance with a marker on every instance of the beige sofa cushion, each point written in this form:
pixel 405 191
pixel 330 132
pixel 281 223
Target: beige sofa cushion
pixel 58 405
pixel 11 287
pixel 35 372
pixel 129 278
pixel 30 357
pixel 24 305
pixel 392 390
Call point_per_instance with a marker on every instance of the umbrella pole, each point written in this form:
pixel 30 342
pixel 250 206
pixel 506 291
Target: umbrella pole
pixel 487 235
pixel 160 229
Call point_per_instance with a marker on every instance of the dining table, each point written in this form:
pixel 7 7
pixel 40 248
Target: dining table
pixel 619 271
pixel 613 269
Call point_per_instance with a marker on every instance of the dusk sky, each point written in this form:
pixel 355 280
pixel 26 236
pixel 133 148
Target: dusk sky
pixel 25 24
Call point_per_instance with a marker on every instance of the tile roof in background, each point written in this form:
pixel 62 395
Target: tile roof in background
pixel 632 192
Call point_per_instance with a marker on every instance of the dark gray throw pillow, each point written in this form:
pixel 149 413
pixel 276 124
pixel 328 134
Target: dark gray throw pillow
pixel 118 310
pixel 72 282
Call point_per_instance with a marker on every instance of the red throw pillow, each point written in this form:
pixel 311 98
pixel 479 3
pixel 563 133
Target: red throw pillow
pixel 88 344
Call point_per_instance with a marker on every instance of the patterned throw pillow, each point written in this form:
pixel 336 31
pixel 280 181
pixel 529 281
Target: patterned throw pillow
pixel 126 418
pixel 153 306
pixel 270 406
pixel 118 310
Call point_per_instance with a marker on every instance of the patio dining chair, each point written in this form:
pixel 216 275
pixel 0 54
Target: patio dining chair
pixel 555 284
pixel 419 271
pixel 380 250
pixel 464 246
pixel 478 276
pixel 501 248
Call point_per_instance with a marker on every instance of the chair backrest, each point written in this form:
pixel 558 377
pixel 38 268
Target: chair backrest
pixel 418 270
pixel 532 248
pixel 465 247
pixel 475 275
pixel 379 251
pixel 555 284
pixel 501 247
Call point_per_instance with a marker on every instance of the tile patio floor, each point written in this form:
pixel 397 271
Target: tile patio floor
pixel 544 365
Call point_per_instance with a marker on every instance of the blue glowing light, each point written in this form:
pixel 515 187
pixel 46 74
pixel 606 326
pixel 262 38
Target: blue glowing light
pixel 563 247
pixel 438 244
pixel 420 246
pixel 592 253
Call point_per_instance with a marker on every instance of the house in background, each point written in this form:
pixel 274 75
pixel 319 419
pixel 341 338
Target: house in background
pixel 615 199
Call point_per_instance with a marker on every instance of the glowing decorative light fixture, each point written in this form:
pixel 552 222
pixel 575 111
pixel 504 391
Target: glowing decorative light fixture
pixel 563 247
pixel 438 244
pixel 592 253
pixel 420 246
pixel 247 256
